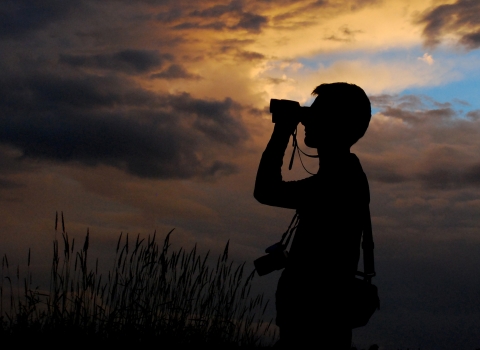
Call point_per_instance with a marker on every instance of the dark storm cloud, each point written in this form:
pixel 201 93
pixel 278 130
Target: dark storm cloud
pixel 10 163
pixel 190 25
pixel 235 9
pixel 414 108
pixel 442 178
pixel 472 174
pixel 442 171
pixel 236 47
pixel 128 61
pixel 219 10
pixel 276 81
pixel 218 169
pixel 251 22
pixel 8 184
pixel 175 71
pixel 300 14
pixel 460 18
pixel 107 120
pixel 406 102
pixel 418 116
pixel 170 15
pixel 474 115
pixel 213 117
pixel 431 143
pixel 250 55
pixel 221 13
pixel 383 170
pixel 19 17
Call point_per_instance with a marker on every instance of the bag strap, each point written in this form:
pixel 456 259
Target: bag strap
pixel 282 245
pixel 291 228
pixel 367 246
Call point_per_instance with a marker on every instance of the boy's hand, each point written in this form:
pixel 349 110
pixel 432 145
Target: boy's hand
pixel 287 124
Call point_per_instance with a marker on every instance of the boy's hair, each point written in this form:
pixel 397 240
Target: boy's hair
pixel 349 105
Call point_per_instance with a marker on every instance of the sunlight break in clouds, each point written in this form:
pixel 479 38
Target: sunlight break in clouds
pixel 375 26
pixel 374 77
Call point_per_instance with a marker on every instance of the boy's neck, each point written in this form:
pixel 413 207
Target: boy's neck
pixel 332 157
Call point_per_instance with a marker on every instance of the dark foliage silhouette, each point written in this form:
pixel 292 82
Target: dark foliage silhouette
pixel 151 294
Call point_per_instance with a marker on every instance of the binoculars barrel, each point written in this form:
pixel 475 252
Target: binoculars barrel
pixel 282 109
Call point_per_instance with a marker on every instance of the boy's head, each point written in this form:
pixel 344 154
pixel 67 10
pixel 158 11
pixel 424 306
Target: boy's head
pixel 341 114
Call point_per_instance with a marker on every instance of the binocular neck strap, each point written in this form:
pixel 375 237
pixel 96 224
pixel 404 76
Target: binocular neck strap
pixel 296 148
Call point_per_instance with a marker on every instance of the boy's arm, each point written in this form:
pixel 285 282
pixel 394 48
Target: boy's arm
pixel 270 189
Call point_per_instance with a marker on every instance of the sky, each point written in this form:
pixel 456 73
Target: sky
pixel 147 115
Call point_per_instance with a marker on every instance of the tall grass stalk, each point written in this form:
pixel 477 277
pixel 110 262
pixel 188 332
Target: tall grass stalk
pixel 151 292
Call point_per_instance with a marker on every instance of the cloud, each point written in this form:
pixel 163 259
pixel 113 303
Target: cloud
pixel 219 10
pixel 7 160
pixel 250 55
pixel 216 25
pixel 128 61
pixel 287 11
pixel 175 71
pixel 235 47
pixel 459 19
pixel 8 184
pixel 251 22
pixel 474 115
pixel 417 140
pixel 344 34
pixel 20 17
pixel 428 59
pixel 170 15
pixel 110 120
pixel 374 77
pixel 231 16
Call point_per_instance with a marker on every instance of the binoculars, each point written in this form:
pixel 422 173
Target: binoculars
pixel 282 109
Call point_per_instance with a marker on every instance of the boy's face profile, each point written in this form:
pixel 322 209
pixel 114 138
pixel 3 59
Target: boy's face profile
pixel 312 125
pixel 311 134
pixel 340 115
pixel 321 131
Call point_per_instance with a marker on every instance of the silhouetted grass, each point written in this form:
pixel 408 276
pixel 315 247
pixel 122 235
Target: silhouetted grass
pixel 151 293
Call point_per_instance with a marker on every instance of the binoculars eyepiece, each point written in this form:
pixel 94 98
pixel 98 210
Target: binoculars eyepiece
pixel 282 109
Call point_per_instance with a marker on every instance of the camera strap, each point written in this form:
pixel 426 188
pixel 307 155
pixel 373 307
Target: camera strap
pixel 289 232
pixel 287 235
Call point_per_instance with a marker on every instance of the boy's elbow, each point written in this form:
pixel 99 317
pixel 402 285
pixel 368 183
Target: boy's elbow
pixel 259 195
pixel 263 196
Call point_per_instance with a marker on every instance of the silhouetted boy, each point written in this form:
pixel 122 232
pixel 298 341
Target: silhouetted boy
pixel 312 297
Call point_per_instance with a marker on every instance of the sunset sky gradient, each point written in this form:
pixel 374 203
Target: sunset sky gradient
pixel 136 116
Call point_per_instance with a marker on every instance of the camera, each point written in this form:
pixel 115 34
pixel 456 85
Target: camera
pixel 282 109
pixel 276 259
